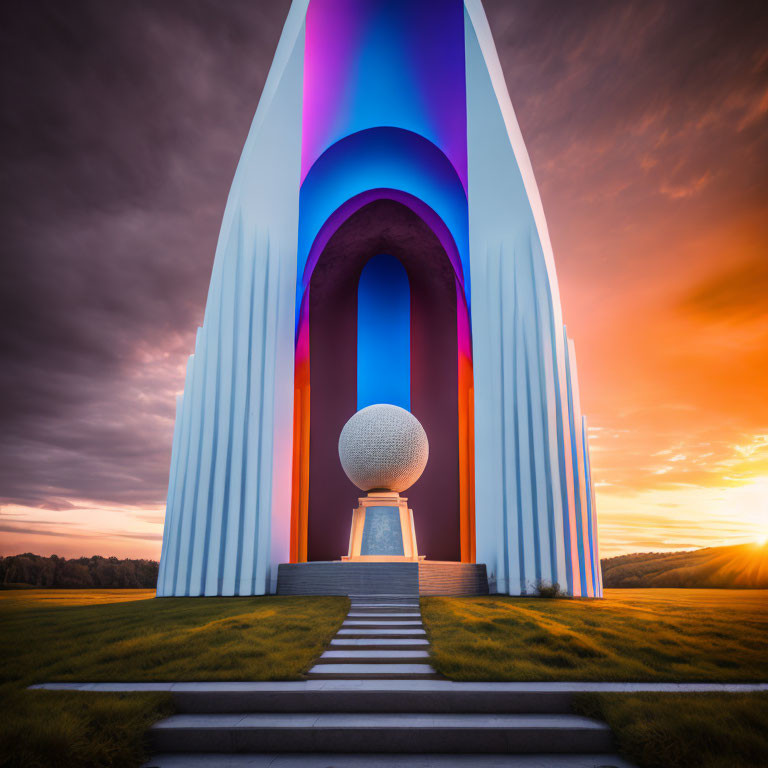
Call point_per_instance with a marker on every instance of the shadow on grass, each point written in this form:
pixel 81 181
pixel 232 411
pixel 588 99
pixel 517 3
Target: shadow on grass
pixel 680 731
pixel 41 729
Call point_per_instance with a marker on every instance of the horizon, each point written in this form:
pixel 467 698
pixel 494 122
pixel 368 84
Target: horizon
pixel 647 131
pixel 754 544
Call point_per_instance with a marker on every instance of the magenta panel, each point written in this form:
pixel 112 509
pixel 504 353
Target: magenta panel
pixel 398 63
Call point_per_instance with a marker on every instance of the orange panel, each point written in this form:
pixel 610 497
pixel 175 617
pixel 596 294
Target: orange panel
pixel 466 430
pixel 296 476
pixel 300 473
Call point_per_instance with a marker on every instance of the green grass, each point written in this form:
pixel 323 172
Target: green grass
pixel 632 635
pixel 92 635
pixel 122 635
pixel 40 729
pixel 680 731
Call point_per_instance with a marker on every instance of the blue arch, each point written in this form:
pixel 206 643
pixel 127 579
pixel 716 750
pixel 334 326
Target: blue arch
pixel 381 158
pixel 384 334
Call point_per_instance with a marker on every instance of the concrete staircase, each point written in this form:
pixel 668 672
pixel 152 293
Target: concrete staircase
pixel 373 699
pixel 382 638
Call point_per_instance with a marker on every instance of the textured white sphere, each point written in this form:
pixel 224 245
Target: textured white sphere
pixel 383 447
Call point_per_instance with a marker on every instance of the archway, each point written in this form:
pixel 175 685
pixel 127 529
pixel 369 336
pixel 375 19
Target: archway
pixel 327 384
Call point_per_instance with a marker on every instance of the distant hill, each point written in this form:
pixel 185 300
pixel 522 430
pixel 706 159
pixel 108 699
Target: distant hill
pixel 743 566
pixel 18 571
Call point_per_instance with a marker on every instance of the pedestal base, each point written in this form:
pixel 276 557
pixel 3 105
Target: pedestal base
pixel 370 578
pixel 382 530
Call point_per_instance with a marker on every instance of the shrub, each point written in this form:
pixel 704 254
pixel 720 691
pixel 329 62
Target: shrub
pixel 545 589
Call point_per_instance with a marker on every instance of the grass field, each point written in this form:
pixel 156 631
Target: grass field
pixel 666 635
pixel 671 731
pixel 43 729
pixel 91 635
pixel 121 635
pixel 675 634
pixel 633 635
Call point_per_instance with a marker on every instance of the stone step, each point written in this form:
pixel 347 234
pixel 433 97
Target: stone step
pixel 414 603
pixel 423 696
pixel 380 733
pixel 373 657
pixel 375 643
pixel 408 613
pixel 377 618
pixel 272 760
pixel 381 633
pixel 374 623
pixel 383 595
pixel 375 601
pixel 394 615
pixel 368 671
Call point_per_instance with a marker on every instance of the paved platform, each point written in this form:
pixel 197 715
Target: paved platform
pixel 375 579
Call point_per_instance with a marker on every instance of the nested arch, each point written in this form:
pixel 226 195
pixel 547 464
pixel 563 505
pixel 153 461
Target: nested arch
pixel 327 383
pixel 382 162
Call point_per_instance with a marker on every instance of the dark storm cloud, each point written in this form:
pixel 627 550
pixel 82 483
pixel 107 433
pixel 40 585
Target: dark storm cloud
pixel 640 99
pixel 121 126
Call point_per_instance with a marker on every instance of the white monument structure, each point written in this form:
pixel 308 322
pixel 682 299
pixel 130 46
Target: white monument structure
pixel 384 242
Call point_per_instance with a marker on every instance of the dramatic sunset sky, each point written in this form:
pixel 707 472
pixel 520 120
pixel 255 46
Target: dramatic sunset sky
pixel 122 123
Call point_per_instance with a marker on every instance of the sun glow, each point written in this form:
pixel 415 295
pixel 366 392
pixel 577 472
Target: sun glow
pixel 682 517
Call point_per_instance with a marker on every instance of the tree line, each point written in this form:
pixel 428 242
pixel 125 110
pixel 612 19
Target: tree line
pixel 82 572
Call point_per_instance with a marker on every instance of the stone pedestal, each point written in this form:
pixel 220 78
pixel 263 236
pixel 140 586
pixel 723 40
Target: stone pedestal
pixel 382 530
